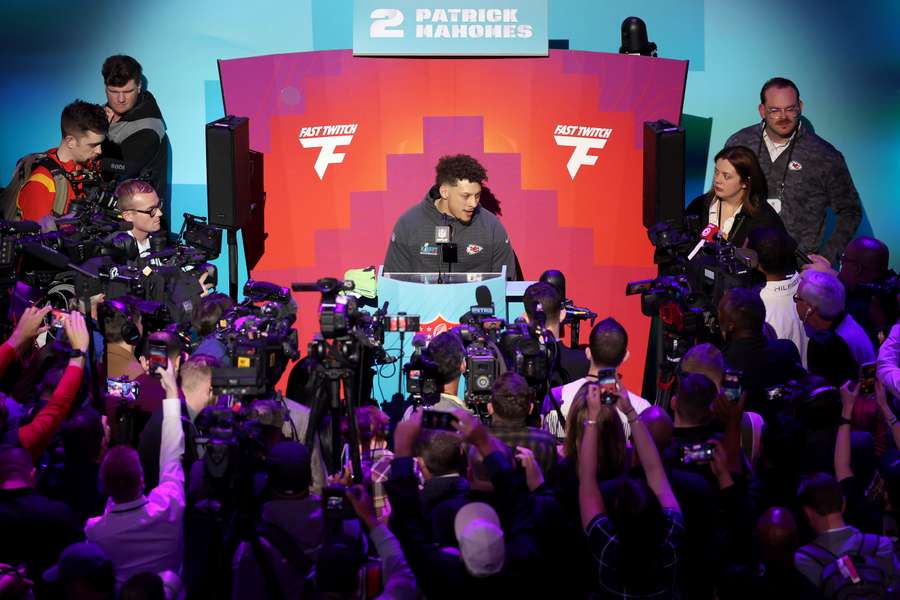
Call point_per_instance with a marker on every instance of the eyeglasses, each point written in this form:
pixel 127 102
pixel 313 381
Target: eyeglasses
pixel 150 212
pixel 788 110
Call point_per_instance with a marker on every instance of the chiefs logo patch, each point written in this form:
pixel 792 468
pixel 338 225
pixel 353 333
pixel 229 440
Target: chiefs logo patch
pixel 473 249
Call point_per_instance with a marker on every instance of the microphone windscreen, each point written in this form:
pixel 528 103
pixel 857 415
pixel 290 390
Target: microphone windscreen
pixel 483 296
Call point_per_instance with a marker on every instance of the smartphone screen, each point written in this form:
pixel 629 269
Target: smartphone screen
pixel 608 381
pixel 731 385
pixel 127 390
pixel 437 419
pixel 867 378
pixel 157 356
pixel 697 453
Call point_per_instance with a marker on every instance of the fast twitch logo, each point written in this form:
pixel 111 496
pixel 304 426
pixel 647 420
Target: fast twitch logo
pixel 327 138
pixel 582 139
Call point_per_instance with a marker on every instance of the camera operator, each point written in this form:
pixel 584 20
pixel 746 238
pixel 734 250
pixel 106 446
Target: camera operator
pixel 48 188
pixel 776 257
pixel 144 533
pixel 863 265
pixel 195 375
pixel 204 322
pixel 447 352
pixel 137 133
pixel 120 322
pixel 607 349
pixel 764 363
pixel 139 204
pixel 544 302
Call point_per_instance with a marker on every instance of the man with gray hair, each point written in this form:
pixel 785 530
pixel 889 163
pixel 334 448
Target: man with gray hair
pixel 821 301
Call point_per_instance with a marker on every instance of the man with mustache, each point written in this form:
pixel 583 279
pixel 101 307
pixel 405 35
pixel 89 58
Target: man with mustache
pixel 805 174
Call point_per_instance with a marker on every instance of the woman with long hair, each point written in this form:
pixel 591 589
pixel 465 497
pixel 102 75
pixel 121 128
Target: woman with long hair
pixel 635 541
pixel 737 201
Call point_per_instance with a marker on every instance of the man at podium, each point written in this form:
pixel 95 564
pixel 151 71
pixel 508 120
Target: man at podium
pixel 448 232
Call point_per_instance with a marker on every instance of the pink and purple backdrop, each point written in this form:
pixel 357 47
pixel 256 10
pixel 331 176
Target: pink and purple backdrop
pixel 504 112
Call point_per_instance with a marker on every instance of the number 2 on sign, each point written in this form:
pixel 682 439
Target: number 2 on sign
pixel 384 22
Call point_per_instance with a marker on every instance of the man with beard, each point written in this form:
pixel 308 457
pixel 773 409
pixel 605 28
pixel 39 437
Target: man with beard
pixel 805 174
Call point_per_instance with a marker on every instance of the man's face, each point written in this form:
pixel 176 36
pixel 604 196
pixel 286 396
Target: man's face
pixel 122 98
pixel 461 199
pixel 85 147
pixel 145 212
pixel 781 111
pixel 851 267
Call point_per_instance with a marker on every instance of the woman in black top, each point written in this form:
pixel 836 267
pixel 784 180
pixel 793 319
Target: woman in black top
pixel 736 204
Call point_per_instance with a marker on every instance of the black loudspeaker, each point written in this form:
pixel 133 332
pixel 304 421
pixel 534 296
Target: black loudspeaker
pixel 663 173
pixel 254 231
pixel 228 171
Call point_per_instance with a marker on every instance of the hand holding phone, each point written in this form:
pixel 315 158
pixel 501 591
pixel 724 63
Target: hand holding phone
pixel 437 419
pixel 731 385
pixel 698 453
pixel 867 378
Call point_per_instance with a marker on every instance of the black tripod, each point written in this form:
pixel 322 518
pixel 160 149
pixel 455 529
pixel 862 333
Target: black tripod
pixel 339 366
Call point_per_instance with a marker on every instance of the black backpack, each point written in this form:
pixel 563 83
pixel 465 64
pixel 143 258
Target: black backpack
pixel 838 580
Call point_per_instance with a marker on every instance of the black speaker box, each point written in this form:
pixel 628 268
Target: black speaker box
pixel 663 173
pixel 228 171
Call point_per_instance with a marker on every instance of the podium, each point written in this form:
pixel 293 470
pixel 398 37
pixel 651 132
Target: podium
pixel 439 306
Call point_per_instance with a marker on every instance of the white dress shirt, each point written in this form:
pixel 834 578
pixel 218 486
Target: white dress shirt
pixel 146 534
pixel 776 149
pixel 715 217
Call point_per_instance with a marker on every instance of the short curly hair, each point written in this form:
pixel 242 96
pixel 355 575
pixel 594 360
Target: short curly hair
pixel 119 69
pixel 452 169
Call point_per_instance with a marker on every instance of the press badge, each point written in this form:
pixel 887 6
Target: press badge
pixel 775 203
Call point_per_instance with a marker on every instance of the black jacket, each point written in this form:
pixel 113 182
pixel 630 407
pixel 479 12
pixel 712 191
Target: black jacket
pixel 482 244
pixel 139 138
pixel 744 223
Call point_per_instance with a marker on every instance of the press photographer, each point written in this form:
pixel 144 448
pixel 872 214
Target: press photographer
pixel 44 184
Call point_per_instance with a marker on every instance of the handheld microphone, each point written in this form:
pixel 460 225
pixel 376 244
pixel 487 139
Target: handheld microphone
pixel 708 234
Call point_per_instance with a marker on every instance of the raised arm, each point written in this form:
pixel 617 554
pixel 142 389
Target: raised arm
pixel 889 417
pixel 647 452
pixel 842 468
pixel 590 500
pixel 35 436
pixel 30 324
pixel 171 446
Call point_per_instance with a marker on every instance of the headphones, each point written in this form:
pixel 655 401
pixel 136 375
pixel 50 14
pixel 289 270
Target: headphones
pixel 129 332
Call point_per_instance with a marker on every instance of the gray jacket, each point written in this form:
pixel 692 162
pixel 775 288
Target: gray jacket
pixel 482 244
pixel 816 179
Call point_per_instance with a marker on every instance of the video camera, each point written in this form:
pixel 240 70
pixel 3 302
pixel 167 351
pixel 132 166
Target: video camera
pixel 686 294
pixel 234 437
pixel 259 338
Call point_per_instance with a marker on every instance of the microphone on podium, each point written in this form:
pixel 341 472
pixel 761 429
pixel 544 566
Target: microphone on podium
pixel 709 234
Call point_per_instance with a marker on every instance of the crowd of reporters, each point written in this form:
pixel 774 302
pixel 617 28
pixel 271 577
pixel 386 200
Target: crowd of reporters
pixel 588 490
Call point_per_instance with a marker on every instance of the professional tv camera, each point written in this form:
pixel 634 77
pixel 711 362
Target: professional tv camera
pixel 350 344
pixel 693 277
pixel 260 340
